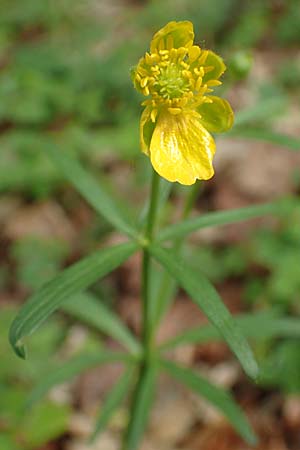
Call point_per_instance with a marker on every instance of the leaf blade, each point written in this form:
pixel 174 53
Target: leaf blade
pixel 261 112
pixel 208 300
pixel 263 325
pixel 266 135
pixel 92 190
pixel 70 369
pixel 224 218
pixel 72 280
pixel 89 309
pixel 221 399
pixel 112 401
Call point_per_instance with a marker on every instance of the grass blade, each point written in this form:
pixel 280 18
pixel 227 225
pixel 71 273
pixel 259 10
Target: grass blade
pixel 221 399
pixel 259 326
pixel 70 369
pixel 142 402
pixel 94 192
pixel 112 401
pixel 225 217
pixel 71 281
pixel 89 309
pixel 206 297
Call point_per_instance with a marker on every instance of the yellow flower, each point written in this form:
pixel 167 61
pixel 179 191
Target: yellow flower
pixel 180 113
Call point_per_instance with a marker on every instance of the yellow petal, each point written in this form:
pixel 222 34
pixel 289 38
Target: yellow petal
pixel 173 35
pixel 181 149
pixel 216 116
pixel 216 65
pixel 146 129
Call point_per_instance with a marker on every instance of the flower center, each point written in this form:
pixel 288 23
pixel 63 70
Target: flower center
pixel 173 78
pixel 170 77
pixel 170 83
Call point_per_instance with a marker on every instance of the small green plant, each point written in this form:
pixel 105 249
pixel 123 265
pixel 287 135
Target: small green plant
pixel 178 119
pixel 46 420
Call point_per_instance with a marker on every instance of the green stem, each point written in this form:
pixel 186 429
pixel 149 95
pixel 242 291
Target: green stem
pixel 168 285
pixel 147 363
pixel 152 212
pixel 151 315
pixel 191 199
pixel 146 267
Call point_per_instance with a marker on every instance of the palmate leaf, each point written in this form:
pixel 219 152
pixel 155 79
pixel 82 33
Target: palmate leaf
pixel 259 326
pixel 89 309
pixel 113 400
pixel 206 297
pixel 71 281
pixel 70 369
pixel 142 402
pixel 225 217
pixel 94 191
pixel 215 395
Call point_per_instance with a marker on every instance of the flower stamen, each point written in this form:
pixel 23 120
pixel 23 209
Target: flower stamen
pixel 173 76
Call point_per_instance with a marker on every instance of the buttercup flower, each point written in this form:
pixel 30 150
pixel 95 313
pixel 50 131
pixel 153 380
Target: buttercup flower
pixel 180 113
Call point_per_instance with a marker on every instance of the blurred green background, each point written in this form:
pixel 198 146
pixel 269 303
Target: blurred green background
pixel 64 73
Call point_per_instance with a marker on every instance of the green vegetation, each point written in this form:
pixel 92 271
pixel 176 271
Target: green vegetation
pixel 69 134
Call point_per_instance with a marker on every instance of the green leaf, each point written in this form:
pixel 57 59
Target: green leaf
pixel 163 289
pixel 262 111
pixel 45 423
pixel 72 280
pixel 7 441
pixel 89 309
pixel 165 188
pixel 225 217
pixel 142 402
pixel 221 399
pixel 260 326
pixel 206 297
pixel 112 401
pixel 70 369
pixel 262 134
pixel 92 190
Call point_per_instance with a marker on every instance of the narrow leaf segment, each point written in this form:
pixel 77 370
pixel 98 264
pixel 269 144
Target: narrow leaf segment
pixel 259 326
pixel 206 297
pixel 70 369
pixel 215 395
pixel 219 218
pixel 89 309
pixel 71 281
pixel 94 192
pixel 113 401
pixel 266 135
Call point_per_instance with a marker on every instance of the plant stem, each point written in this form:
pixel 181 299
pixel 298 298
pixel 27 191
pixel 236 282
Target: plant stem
pixel 146 267
pixel 152 212
pixel 147 366
pixel 168 285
